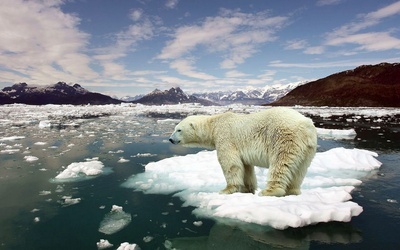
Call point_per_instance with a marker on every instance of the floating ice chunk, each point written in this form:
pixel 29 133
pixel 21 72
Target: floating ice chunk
pixel 122 160
pixel 338 134
pixel 10 151
pixel 115 220
pixel 12 138
pixel 40 143
pixel 148 239
pixel 81 169
pixel 103 244
pixel 30 158
pixel 197 179
pixel 127 246
pixel 120 151
pixel 44 192
pixel 45 124
pixel 68 201
pixel 168 121
pixel 144 155
pixel 36 219
pixel 198 223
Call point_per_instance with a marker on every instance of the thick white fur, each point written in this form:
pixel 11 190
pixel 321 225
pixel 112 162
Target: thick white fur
pixel 279 138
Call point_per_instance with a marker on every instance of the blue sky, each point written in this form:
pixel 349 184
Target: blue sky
pixel 129 47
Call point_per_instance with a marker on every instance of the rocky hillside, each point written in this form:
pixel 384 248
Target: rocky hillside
pixel 368 85
pixel 60 93
pixel 171 96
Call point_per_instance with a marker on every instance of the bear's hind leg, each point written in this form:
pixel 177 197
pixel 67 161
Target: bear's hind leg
pixel 278 177
pixel 250 180
pixel 298 177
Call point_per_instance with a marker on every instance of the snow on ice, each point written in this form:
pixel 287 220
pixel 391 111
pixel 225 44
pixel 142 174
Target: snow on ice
pixel 77 171
pixel 197 179
pixel 344 134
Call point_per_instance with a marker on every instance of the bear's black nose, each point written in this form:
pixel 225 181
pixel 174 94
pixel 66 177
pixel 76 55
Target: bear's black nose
pixel 172 141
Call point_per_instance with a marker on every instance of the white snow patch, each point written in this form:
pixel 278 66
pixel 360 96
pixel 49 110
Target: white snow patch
pixel 197 179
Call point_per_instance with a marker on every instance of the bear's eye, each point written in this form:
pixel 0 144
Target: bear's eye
pixel 179 130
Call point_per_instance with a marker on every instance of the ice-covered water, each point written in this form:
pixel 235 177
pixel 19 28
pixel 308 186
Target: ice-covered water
pixel 63 170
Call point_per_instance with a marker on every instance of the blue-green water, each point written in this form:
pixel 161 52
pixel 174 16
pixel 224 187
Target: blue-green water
pixel 33 219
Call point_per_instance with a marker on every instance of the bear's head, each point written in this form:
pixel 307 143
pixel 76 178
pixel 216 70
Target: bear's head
pixel 189 132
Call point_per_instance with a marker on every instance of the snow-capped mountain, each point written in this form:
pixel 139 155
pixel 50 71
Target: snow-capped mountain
pixel 171 96
pixel 256 96
pixel 59 93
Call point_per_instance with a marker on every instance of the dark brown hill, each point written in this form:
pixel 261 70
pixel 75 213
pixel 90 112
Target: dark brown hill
pixel 367 85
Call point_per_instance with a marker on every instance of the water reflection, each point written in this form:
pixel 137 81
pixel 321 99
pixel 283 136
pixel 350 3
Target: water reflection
pixel 223 236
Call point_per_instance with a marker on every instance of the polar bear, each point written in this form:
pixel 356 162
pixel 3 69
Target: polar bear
pixel 280 139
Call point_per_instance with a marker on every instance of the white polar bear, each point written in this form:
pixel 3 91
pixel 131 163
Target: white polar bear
pixel 279 138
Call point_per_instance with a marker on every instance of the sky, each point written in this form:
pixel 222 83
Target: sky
pixel 130 47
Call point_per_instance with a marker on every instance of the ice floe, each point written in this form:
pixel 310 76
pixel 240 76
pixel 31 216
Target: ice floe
pixel 78 171
pixel 103 244
pixel 197 179
pixel 30 158
pixel 336 134
pixel 115 220
pixel 11 138
pixel 127 246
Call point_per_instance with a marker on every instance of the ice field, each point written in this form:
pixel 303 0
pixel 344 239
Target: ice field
pixel 113 167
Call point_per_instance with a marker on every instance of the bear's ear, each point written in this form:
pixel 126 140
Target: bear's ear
pixel 192 126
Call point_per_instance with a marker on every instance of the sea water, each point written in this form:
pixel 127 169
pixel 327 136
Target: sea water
pixel 39 211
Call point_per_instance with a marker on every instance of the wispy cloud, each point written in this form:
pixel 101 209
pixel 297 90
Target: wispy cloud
pixel 233 34
pixel 39 41
pixel 351 33
pixel 185 67
pixel 331 64
pixel 136 14
pixel 296 44
pixel 328 2
pixel 125 42
pixel 171 4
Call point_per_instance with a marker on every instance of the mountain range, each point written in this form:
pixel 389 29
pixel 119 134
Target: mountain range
pixel 59 93
pixel 251 96
pixel 367 85
pixel 171 96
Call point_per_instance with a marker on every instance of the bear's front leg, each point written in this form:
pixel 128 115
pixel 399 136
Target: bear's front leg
pixel 233 170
